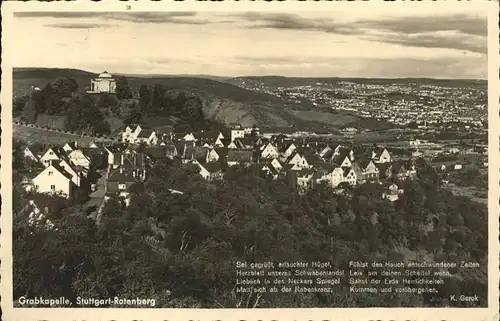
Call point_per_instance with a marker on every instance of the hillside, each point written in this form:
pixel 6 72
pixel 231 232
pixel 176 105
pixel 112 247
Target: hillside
pixel 222 101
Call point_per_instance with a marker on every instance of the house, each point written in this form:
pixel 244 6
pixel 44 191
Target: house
pixel 378 154
pixel 128 134
pixel 351 175
pixel 219 141
pixel 297 161
pixel 169 148
pixel 403 170
pixel 68 147
pixel 288 150
pixel 79 158
pixel 254 130
pixel 212 156
pixel 97 156
pixel 33 152
pixel 132 162
pixel 392 193
pixel 239 156
pixel 147 136
pixel 119 181
pixel 369 170
pixel 189 138
pixel 311 158
pixel 241 143
pixel 384 170
pixel 270 171
pixel 457 167
pixel 343 158
pixel 336 176
pixel 276 164
pixel 54 180
pixel 139 135
pixel 104 83
pixel 95 144
pixel 114 151
pixel 197 153
pixel 210 139
pixel 269 151
pixel 325 150
pixel 36 216
pixel 210 171
pixel 76 175
pixel 53 153
pixel 305 179
pixel 322 174
pixel 237 132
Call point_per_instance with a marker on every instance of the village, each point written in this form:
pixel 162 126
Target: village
pixel 90 174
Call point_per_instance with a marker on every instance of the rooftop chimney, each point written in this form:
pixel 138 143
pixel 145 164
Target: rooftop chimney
pixel 121 170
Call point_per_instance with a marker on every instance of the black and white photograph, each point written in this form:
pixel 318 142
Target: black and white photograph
pixel 251 159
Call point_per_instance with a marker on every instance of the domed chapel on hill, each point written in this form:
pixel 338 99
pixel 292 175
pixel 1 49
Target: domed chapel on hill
pixel 104 83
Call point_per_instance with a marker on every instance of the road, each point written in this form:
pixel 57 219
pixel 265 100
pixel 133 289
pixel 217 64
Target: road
pixel 97 197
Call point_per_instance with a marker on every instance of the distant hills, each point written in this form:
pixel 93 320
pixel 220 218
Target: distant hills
pixel 279 81
pixel 225 99
pixel 222 100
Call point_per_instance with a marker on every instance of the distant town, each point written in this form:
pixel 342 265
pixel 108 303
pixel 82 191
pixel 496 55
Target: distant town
pixel 429 107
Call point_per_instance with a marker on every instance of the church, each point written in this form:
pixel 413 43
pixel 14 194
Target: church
pixel 104 83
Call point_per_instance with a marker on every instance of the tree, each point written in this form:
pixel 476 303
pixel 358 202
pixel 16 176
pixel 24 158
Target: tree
pixel 122 88
pixel 17 154
pixel 144 97
pixel 135 117
pixel 156 97
pixel 106 101
pixel 18 105
pixel 102 128
pixel 83 114
pixel 65 86
pixel 30 111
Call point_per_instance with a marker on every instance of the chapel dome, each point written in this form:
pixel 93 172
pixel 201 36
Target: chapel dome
pixel 105 74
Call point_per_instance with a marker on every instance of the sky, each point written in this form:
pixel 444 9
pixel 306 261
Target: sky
pixel 340 43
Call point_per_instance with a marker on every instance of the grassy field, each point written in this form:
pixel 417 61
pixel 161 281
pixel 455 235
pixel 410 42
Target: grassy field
pixel 325 117
pixel 32 135
pixel 52 121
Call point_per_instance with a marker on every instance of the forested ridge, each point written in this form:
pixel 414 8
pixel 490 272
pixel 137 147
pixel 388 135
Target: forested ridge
pixel 245 217
pixel 89 113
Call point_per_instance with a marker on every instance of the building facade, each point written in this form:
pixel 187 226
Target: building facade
pixel 104 83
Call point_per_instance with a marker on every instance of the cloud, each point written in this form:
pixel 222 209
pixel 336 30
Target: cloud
pixel 428 40
pixel 176 17
pixel 296 22
pixel 461 23
pixel 469 31
pixel 77 25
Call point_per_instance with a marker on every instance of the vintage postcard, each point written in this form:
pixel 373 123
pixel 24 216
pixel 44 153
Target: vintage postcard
pixel 250 160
